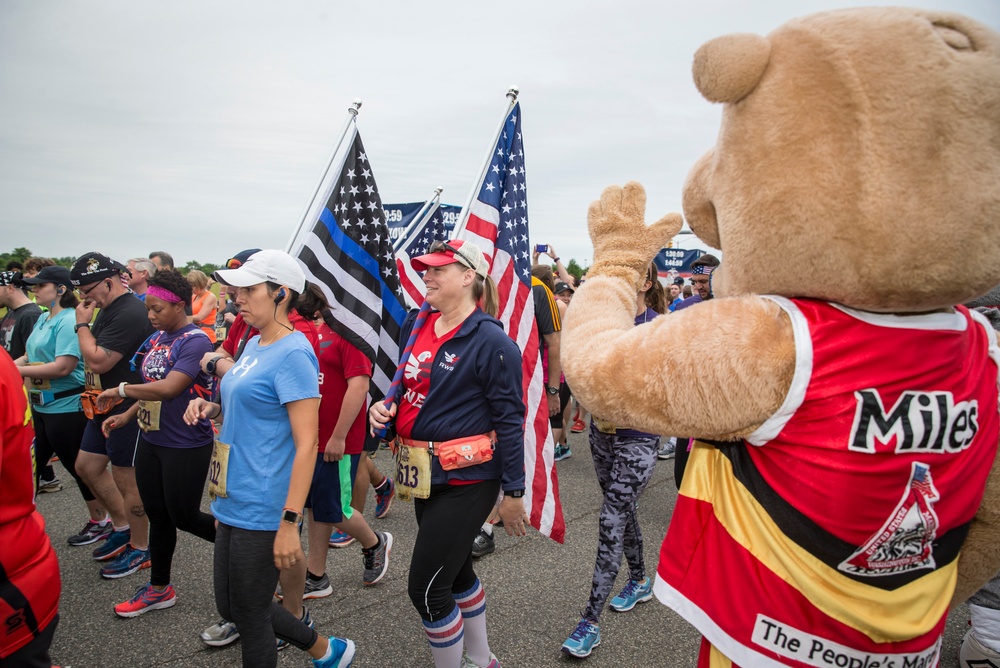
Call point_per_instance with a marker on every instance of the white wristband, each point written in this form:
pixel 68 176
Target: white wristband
pixel 121 390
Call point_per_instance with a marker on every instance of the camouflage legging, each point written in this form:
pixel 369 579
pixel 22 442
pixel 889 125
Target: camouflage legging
pixel 624 466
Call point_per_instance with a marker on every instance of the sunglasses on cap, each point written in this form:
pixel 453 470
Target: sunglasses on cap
pixel 446 247
pixel 233 263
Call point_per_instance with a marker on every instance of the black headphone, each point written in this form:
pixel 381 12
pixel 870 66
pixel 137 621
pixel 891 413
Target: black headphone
pixel 281 295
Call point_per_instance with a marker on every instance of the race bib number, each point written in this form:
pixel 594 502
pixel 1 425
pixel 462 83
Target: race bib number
pixel 39 383
pixel 605 426
pixel 91 380
pixel 218 470
pixel 413 472
pixel 149 415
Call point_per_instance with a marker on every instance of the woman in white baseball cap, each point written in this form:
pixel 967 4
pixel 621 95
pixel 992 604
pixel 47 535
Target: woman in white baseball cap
pixel 263 463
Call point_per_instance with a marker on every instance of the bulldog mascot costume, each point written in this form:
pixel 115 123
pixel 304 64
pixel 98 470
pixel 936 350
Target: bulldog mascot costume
pixel 842 490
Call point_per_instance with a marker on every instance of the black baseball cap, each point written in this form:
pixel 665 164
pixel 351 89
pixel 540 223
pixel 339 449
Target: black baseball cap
pixel 11 278
pixel 55 274
pixel 93 267
pixel 236 261
pixel 562 286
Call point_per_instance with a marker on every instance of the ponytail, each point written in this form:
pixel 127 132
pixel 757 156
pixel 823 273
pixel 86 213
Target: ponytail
pixel 484 291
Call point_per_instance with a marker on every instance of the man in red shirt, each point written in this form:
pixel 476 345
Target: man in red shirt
pixel 343 384
pixel 29 571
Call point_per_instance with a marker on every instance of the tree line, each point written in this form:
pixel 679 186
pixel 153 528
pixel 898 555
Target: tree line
pixel 22 254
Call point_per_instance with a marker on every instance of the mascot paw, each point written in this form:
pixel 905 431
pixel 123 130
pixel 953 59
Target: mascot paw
pixel 623 244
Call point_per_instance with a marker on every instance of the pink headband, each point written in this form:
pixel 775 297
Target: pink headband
pixel 164 294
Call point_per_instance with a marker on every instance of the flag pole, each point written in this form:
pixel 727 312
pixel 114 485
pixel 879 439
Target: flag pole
pixel 463 220
pixel 429 204
pixel 352 115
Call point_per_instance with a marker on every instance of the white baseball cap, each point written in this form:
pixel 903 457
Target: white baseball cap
pixel 267 265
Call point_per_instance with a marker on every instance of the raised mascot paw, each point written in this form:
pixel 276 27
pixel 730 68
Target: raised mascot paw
pixel 623 244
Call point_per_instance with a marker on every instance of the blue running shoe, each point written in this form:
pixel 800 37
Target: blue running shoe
pixel 383 499
pixel 634 592
pixel 341 654
pixel 306 619
pixel 128 562
pixel 115 544
pixel 340 539
pixel 584 638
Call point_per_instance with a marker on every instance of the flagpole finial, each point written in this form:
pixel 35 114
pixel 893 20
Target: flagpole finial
pixel 512 93
pixel 355 106
pixel 438 191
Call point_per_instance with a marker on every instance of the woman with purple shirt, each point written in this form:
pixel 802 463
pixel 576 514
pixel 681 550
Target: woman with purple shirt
pixel 172 458
pixel 624 459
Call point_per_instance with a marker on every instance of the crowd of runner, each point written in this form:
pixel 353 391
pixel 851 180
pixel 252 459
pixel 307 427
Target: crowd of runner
pixel 146 386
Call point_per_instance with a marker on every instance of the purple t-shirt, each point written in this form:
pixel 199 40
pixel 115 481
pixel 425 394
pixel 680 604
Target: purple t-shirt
pixel 624 432
pixel 178 351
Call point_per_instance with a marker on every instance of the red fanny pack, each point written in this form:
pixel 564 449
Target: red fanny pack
pixel 458 453
pixel 462 452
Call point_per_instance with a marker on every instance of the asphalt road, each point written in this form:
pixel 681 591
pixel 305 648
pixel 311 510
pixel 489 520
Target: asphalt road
pixel 535 591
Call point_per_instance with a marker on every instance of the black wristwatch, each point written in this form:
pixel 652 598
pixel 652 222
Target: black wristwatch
pixel 515 493
pixel 76 328
pixel 210 365
pixel 291 516
pixel 552 390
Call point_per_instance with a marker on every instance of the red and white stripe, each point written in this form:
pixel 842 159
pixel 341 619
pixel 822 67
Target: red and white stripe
pixel 517 312
pixel 410 280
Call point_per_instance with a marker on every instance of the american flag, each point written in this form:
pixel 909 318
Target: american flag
pixel 498 223
pixel 425 232
pixel 348 253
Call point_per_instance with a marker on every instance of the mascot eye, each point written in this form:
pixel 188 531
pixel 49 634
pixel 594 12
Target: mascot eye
pixel 953 37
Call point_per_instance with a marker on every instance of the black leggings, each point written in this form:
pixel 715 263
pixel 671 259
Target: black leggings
pixel 245 578
pixel 170 482
pixel 60 434
pixel 442 555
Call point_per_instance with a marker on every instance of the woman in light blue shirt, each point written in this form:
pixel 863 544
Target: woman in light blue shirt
pixel 263 463
pixel 54 365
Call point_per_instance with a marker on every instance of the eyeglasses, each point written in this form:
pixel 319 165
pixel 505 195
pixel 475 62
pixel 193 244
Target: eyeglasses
pixel 86 293
pixel 444 247
pixel 233 263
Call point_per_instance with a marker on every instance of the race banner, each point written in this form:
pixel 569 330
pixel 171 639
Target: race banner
pixel 673 262
pixel 399 216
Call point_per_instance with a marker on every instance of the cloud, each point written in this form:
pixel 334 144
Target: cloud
pixel 200 128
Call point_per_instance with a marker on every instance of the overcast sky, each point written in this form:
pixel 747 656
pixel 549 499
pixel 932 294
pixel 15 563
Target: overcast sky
pixel 201 128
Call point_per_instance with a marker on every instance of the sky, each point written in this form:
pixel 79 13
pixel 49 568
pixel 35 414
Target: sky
pixel 201 128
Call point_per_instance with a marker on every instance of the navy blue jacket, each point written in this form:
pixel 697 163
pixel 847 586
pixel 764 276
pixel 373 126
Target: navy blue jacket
pixel 480 392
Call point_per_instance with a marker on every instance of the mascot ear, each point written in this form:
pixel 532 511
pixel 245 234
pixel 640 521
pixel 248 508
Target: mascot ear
pixel 728 68
pixel 699 210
